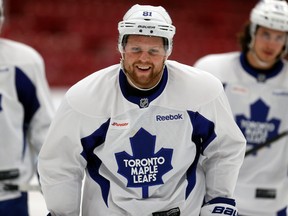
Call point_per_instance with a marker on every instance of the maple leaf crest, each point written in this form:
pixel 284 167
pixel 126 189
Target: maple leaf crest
pixel 258 129
pixel 144 168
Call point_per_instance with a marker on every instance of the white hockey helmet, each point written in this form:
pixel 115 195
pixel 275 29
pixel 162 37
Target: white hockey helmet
pixel 149 21
pixel 270 14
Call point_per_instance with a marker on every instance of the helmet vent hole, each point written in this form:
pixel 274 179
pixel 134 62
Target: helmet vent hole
pixel 140 30
pixel 151 31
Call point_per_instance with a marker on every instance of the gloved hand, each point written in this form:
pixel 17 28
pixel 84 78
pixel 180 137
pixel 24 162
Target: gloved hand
pixel 219 207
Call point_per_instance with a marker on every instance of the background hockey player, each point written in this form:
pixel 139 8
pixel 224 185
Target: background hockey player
pixel 26 110
pixel 256 83
pixel 154 136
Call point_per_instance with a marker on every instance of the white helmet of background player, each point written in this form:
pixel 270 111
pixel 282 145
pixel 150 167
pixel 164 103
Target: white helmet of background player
pixel 149 21
pixel 271 14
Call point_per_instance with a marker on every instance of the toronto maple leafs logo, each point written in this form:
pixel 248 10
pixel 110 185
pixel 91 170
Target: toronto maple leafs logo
pixel 258 129
pixel 144 168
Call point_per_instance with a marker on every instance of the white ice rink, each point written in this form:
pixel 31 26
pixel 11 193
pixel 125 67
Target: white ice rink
pixel 37 205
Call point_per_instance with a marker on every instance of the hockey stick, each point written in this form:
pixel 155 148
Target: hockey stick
pixel 21 187
pixel 268 142
pixel 14 174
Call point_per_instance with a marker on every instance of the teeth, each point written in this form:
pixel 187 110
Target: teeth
pixel 143 68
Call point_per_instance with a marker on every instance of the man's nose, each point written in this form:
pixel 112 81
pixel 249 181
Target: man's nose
pixel 145 56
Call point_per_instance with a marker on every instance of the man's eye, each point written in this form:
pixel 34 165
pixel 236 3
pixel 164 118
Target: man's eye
pixel 154 51
pixel 281 39
pixel 266 36
pixel 135 49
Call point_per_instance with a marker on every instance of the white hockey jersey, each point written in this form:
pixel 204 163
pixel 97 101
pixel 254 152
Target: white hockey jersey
pixel 259 102
pixel 26 110
pixel 141 151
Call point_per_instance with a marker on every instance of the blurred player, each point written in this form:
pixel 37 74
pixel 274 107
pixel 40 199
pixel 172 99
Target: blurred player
pixel 256 83
pixel 154 136
pixel 25 115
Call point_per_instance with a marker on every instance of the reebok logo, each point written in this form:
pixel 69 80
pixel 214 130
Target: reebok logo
pixel 169 117
pixel 120 124
pixel 280 92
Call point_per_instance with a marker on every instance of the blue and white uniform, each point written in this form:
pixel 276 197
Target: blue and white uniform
pixel 26 111
pixel 142 152
pixel 259 101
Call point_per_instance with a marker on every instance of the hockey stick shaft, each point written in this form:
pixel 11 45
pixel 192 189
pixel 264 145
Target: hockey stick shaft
pixel 14 174
pixel 22 187
pixel 268 142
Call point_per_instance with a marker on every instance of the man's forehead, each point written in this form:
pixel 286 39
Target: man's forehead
pixel 144 37
pixel 145 40
pixel 270 30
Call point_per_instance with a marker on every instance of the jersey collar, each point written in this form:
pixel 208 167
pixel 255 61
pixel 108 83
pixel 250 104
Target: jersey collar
pixel 261 75
pixel 141 98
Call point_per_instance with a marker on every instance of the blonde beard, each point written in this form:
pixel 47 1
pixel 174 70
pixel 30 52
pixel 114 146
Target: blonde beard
pixel 131 82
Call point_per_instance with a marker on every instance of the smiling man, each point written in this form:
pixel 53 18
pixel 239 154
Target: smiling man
pixel 256 83
pixel 143 60
pixel 153 136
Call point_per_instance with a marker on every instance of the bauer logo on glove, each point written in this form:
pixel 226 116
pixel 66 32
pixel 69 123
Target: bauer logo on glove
pixel 219 207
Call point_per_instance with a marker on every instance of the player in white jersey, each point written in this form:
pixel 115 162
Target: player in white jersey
pixel 153 136
pixel 256 83
pixel 26 111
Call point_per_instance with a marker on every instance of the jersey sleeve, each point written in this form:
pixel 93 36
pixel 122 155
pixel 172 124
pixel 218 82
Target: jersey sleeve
pixel 60 165
pixel 42 119
pixel 223 157
pixel 34 93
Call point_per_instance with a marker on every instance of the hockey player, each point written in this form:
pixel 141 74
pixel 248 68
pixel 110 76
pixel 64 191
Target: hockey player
pixel 153 136
pixel 26 110
pixel 256 83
